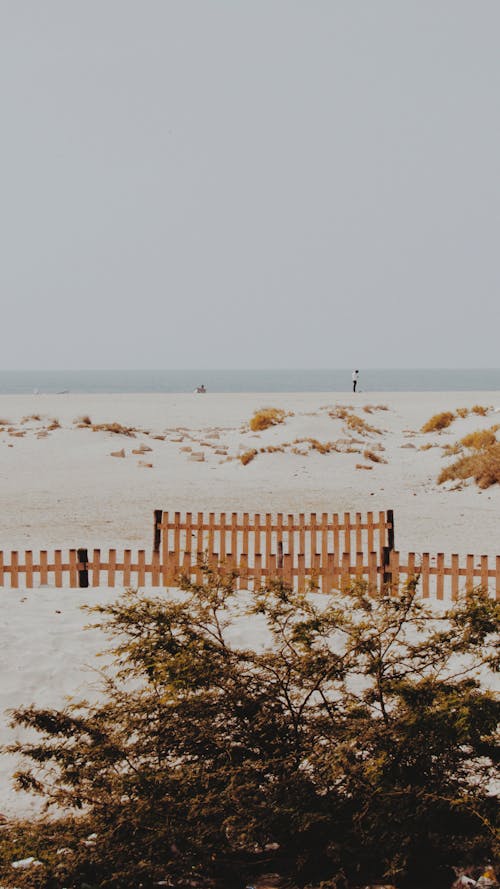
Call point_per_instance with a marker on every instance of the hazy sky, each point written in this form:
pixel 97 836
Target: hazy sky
pixel 249 183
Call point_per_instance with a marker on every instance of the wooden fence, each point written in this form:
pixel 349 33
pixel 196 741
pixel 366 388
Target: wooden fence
pixel 441 576
pixel 270 536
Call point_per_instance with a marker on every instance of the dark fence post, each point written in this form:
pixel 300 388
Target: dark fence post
pixel 83 573
pixel 157 530
pixel 280 554
pixel 390 531
pixel 386 560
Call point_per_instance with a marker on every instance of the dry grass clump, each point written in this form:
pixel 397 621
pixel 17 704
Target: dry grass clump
pixel 480 410
pixel 438 422
pixel 483 466
pixel 462 412
pixel 247 457
pixel 482 438
pixel 266 417
pixel 369 408
pixel 35 417
pixel 273 449
pixel 362 466
pixel 322 447
pixel 84 421
pixel 54 424
pixel 427 447
pixel 339 413
pixel 450 450
pixel 375 458
pixel 115 428
pixel 357 424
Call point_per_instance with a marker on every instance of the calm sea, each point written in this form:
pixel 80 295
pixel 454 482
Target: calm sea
pixel 109 381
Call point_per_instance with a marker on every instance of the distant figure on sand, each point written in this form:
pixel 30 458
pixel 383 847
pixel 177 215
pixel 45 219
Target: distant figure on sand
pixel 355 375
pixel 200 388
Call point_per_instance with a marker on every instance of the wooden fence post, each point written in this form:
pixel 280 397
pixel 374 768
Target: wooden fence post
pixel 158 514
pixel 390 531
pixel 83 573
pixel 386 560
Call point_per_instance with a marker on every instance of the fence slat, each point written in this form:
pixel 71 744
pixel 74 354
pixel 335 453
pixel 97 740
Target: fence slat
pixel 28 559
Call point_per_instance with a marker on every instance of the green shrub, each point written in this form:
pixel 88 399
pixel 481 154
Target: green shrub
pixel 348 749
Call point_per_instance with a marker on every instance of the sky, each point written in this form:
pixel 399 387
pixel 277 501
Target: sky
pixel 249 183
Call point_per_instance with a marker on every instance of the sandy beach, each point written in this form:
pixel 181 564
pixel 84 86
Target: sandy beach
pixel 62 488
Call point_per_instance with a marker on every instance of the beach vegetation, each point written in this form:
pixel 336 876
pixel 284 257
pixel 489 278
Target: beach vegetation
pixel 84 421
pixel 36 418
pixel 438 422
pixel 360 426
pixel 248 456
pixel 54 424
pixel 369 408
pixel 374 456
pixel 321 447
pixel 480 409
pixel 480 439
pixel 450 450
pixel 115 429
pixel 266 417
pixel 483 466
pixel 462 412
pixel 356 745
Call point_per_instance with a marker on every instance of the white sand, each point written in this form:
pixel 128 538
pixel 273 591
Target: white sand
pixel 65 490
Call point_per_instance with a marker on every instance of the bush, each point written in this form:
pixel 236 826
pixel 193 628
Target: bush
pixel 438 422
pixel 247 457
pixel 268 416
pixel 483 466
pixel 483 438
pixel 350 748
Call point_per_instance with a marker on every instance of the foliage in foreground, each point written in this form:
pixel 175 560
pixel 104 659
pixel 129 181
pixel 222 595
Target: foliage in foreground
pixel 354 744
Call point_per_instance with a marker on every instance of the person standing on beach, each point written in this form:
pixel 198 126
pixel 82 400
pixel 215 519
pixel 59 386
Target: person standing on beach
pixel 355 375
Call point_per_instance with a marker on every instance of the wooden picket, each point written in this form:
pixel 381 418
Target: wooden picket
pixel 175 534
pixel 441 576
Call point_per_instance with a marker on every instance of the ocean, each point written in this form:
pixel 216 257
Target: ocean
pixel 17 382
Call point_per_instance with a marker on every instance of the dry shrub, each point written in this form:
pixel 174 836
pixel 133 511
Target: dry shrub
pixel 54 424
pixel 35 417
pixel 462 412
pixel 322 448
pixel 483 466
pixel 450 450
pixel 438 422
pixel 115 428
pixel 480 410
pixel 427 447
pixel 369 408
pixel 339 413
pixel 357 424
pixel 362 466
pixel 247 457
pixel 84 421
pixel 375 458
pixel 273 449
pixel 268 416
pixel 482 438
